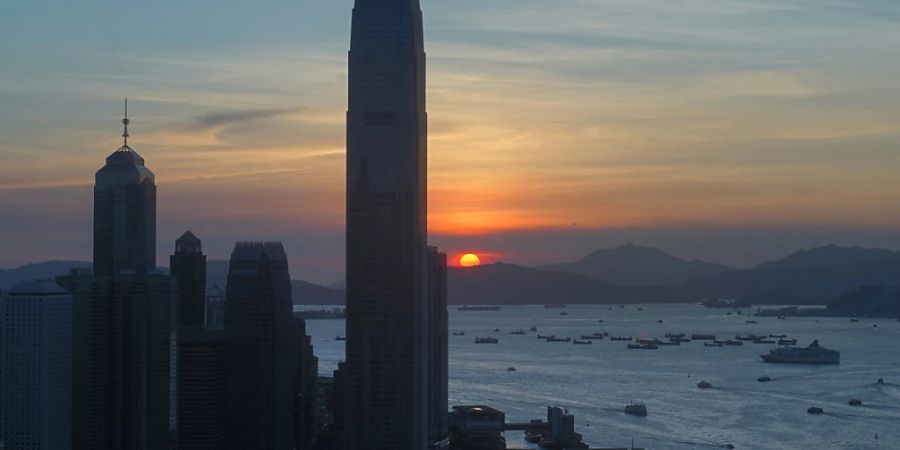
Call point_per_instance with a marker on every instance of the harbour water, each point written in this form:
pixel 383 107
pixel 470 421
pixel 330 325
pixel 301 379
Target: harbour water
pixel 595 382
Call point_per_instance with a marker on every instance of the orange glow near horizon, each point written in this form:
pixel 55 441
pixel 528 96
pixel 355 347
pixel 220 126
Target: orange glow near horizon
pixel 469 260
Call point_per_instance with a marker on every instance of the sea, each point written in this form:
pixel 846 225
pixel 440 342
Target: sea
pixel 594 382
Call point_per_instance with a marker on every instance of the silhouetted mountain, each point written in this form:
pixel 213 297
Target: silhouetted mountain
pixel 632 265
pixel 503 283
pixel 872 301
pixel 829 255
pixel 814 276
pixel 39 271
pixel 306 293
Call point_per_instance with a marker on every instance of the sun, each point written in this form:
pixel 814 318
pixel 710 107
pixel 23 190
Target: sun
pixel 469 260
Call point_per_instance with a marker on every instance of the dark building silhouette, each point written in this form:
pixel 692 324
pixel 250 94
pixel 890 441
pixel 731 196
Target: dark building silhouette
pixel 125 329
pixel 260 349
pixel 386 372
pixel 306 389
pixel 201 396
pixel 188 266
pixel 438 389
pixel 124 213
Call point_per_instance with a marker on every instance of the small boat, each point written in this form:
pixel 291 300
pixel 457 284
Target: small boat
pixel 510 369
pixel 764 341
pixel 459 333
pixel 855 402
pixel 533 328
pixel 620 338
pixel 748 337
pixel 541 336
pixel 734 343
pixel 600 321
pixel 640 309
pixel 750 322
pixel 556 339
pixel 764 379
pixel 854 320
pixel 564 314
pixel 519 331
pixel 533 436
pixel 486 340
pixel 703 337
pixel 815 410
pixel 675 335
pixel 713 344
pixel 636 409
pixel 591 336
pixel 642 347
pixel 496 330
pixel 881 381
pixel 787 342
pixel 340 338
pixel 583 342
pixel 781 317
pixel 704 385
pixel 779 336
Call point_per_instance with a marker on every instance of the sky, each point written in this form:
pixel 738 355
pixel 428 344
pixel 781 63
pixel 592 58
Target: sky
pixel 732 131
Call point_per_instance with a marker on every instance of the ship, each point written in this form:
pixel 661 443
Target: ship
pixel 478 308
pixel 814 354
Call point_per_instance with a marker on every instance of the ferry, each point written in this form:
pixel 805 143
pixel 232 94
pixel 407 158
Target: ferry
pixel 813 354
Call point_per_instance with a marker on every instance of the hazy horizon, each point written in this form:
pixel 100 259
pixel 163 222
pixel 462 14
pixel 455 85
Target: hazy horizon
pixel 731 131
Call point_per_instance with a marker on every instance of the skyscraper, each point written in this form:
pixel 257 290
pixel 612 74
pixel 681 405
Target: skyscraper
pixel 437 350
pixel 125 329
pixel 386 228
pixel 35 367
pixel 188 266
pixel 201 389
pixel 260 349
pixel 124 213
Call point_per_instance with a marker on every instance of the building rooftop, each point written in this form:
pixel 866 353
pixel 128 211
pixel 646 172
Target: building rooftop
pixel 37 287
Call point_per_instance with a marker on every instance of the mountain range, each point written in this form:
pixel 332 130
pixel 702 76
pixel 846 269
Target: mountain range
pixel 625 274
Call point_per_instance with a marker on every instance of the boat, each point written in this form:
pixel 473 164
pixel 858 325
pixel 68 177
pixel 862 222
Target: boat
pixel 763 341
pixel 541 336
pixel 519 331
pixel 734 343
pixel 815 410
pixel 340 338
pixel 496 330
pixel 640 309
pixel 764 379
pixel 583 342
pixel 779 336
pixel 854 320
pixel 751 322
pixel 459 333
pixel 478 308
pixel 564 314
pixel 636 409
pixel 510 369
pixel 600 321
pixel 533 328
pixel 675 335
pixel 703 337
pixel 642 347
pixel 486 340
pixel 620 338
pixel 533 436
pixel 781 317
pixel 813 354
pixel 554 305
pixel 713 344
pixel 704 385
pixel 748 337
pixel 591 336
pixel 855 402
pixel 556 339
pixel 787 342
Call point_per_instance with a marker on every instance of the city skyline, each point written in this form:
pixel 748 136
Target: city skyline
pixel 768 129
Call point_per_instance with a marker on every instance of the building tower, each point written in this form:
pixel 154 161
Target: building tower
pixel 438 388
pixel 124 213
pixel 260 349
pixel 188 266
pixel 36 367
pixel 125 328
pixel 386 228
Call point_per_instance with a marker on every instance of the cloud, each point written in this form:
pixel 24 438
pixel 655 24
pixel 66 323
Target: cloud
pixel 225 118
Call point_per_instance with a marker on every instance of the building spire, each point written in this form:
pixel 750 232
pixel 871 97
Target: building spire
pixel 125 122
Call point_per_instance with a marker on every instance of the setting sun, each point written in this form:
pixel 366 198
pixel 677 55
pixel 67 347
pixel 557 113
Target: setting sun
pixel 469 260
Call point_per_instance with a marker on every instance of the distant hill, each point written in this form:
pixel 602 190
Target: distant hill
pixel 632 265
pixel 39 271
pixel 868 301
pixel 303 292
pixel 814 276
pixel 503 283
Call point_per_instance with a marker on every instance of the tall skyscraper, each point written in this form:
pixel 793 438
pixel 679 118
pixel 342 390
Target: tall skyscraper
pixel 125 328
pixel 306 397
pixel 201 389
pixel 188 266
pixel 437 350
pixel 35 367
pixel 260 349
pixel 386 229
pixel 124 213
